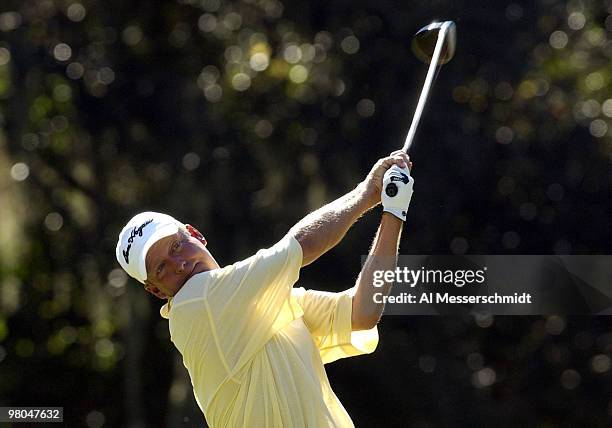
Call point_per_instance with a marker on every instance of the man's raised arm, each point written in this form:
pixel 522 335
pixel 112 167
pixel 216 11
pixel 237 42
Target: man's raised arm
pixel 382 257
pixel 322 229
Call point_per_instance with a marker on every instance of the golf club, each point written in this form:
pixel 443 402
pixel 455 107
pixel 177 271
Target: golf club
pixel 433 44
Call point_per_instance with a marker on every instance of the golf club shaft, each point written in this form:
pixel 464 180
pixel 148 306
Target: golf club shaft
pixel 426 87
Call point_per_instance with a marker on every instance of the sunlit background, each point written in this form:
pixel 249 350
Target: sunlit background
pixel 240 117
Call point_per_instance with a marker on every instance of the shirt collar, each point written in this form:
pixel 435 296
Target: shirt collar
pixel 164 311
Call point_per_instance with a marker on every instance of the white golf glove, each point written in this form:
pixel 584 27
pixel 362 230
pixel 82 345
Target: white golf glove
pixel 397 191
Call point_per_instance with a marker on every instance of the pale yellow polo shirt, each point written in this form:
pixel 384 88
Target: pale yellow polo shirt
pixel 255 347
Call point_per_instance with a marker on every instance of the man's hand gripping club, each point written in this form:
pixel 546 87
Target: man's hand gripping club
pixel 397 191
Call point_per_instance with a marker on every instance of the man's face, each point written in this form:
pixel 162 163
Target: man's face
pixel 172 260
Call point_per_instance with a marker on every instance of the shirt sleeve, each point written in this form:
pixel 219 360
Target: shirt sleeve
pixel 250 301
pixel 328 318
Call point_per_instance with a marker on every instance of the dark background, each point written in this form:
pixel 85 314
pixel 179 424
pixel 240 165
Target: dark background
pixel 115 107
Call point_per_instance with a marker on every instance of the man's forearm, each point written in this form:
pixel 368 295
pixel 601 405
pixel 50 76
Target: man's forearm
pixel 382 256
pixel 322 229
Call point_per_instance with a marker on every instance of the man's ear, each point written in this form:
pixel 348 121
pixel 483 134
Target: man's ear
pixel 196 233
pixel 155 291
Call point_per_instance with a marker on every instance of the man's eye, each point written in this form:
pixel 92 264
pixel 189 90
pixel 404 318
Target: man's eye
pixel 176 245
pixel 159 268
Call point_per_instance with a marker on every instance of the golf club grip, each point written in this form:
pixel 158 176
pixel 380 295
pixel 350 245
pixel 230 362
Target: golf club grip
pixel 426 87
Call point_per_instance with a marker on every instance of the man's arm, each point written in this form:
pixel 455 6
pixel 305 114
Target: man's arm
pixel 322 229
pixel 382 256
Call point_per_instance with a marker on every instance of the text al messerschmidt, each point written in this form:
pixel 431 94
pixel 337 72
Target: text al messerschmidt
pixel 445 298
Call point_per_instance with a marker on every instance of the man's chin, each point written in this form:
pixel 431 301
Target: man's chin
pixel 197 268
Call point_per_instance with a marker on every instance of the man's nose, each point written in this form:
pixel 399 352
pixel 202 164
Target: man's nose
pixel 178 264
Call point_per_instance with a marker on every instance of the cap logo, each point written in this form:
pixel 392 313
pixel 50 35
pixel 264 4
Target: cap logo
pixel 137 231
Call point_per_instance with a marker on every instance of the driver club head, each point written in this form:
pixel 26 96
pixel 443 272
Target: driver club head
pixel 424 42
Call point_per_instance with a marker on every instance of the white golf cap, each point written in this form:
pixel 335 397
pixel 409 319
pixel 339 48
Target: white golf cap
pixel 138 235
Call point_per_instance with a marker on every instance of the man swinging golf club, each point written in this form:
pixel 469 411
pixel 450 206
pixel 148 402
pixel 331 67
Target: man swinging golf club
pixel 255 346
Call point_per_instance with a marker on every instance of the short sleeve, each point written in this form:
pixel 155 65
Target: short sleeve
pixel 248 302
pixel 328 318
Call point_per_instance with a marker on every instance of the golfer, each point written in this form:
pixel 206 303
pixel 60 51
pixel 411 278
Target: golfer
pixel 255 346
